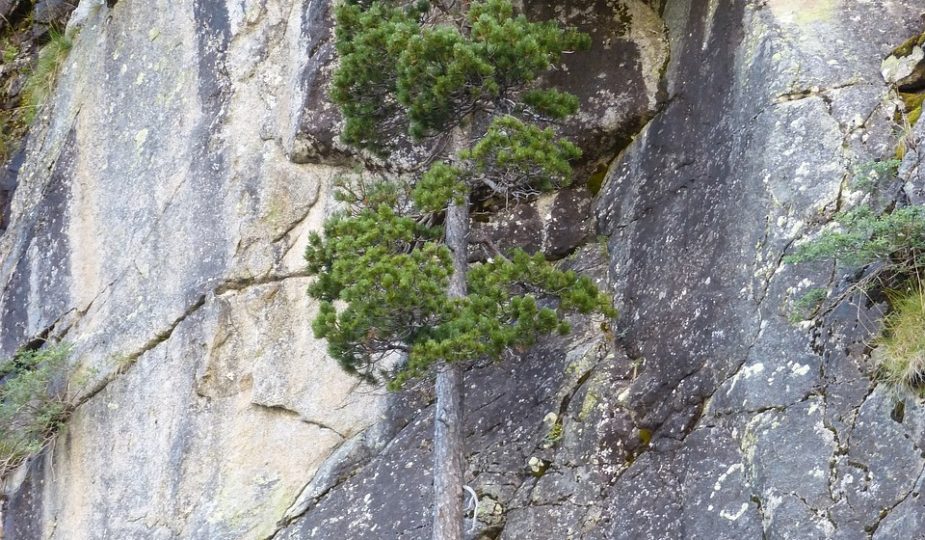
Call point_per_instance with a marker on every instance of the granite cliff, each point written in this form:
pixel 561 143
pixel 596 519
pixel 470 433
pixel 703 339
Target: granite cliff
pixel 156 214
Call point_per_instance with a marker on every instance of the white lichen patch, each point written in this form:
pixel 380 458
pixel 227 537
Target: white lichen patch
pixel 140 137
pixel 722 477
pixel 751 371
pixel 799 370
pixel 735 516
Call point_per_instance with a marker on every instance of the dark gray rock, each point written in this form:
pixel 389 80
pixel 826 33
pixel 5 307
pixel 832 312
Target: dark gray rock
pixel 789 452
pixel 311 136
pixel 6 9
pixel 618 81
pixel 164 222
pixel 717 495
pixel 52 11
pixel 555 224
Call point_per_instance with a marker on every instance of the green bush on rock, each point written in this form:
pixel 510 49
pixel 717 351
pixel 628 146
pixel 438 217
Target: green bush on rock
pixel 33 403
pixel 890 247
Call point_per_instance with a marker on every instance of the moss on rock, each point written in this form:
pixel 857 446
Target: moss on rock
pixel 907 46
pixel 912 103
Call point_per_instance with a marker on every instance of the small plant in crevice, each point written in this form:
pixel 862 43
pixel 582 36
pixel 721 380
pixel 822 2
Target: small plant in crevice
pixel 41 80
pixel 888 251
pixel 807 306
pixel 903 339
pixel 869 176
pixel 8 51
pixel 33 403
pixel 554 435
pixel 907 115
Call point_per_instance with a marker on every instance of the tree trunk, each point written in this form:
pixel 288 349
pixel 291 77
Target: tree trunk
pixel 448 418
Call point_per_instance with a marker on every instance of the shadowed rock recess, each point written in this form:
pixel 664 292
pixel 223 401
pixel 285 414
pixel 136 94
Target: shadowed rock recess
pixel 157 214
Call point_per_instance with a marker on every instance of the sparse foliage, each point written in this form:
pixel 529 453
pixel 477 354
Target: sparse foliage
pixel 903 341
pixel 33 404
pixel 890 248
pixel 41 80
pixel 39 83
pixel 894 240
pixel 869 176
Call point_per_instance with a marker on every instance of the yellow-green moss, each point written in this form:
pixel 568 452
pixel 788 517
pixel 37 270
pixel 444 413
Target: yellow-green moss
pixel 645 437
pixel 587 406
pixel 913 106
pixel 597 179
pixel 906 48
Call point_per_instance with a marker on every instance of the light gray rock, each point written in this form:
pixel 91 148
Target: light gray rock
pixel 896 68
pixel 156 227
pixel 169 188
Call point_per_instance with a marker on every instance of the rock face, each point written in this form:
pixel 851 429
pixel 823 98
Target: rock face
pixel 155 225
pixel 166 193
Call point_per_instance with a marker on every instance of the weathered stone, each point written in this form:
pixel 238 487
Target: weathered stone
pixel 51 11
pixel 788 452
pixel 896 68
pixel 158 219
pixel 618 80
pixel 713 477
pixel 312 121
pixel 555 224
pixel 160 233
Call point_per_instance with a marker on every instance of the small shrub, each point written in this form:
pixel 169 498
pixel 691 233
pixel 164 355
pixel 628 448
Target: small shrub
pixel 41 81
pixel 891 247
pixel 903 340
pixel 808 305
pixel 33 403
pixel 869 176
pixel 895 240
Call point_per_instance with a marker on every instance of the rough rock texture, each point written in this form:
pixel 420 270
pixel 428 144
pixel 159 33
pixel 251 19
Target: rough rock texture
pixel 160 211
pixel 779 420
pixel 157 225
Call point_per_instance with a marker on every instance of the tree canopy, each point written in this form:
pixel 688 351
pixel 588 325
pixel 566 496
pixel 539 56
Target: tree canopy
pixel 401 72
pixel 391 273
pixel 382 264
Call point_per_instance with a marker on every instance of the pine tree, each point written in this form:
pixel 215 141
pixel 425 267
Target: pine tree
pixel 399 299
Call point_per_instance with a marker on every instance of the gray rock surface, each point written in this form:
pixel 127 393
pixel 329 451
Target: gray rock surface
pixel 52 11
pixel 157 225
pixel 168 190
pixel 6 9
